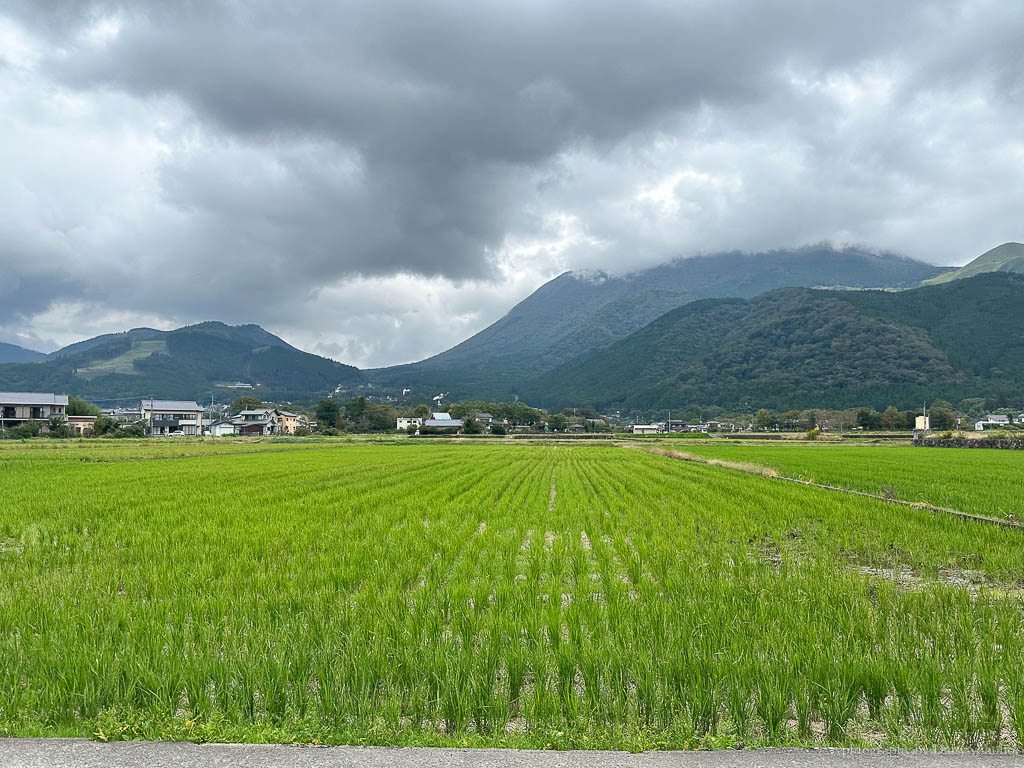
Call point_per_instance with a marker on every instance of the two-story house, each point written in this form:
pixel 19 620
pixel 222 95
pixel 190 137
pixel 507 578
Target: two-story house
pixel 18 407
pixel 258 421
pixel 171 417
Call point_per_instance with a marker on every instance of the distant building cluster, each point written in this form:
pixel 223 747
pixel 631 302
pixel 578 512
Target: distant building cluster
pixel 161 418
pixel 673 425
pixel 998 421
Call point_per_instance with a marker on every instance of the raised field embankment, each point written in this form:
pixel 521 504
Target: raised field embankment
pixel 964 442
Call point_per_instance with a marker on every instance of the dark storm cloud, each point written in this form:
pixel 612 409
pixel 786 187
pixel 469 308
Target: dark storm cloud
pixel 444 102
pixel 285 148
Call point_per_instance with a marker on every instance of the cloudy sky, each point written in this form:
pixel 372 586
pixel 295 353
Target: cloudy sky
pixel 376 181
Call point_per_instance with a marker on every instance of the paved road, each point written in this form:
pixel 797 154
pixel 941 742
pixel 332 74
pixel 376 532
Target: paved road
pixel 80 753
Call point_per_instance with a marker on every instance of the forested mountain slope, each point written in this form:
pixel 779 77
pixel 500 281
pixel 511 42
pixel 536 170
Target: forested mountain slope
pixel 190 362
pixel 796 348
pixel 576 313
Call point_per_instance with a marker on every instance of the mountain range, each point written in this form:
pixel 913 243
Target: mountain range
pixel 191 362
pixel 808 326
pixel 801 348
pixel 12 353
pixel 578 312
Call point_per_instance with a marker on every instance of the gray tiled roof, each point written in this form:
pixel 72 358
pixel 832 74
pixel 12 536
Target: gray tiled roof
pixel 32 398
pixel 171 405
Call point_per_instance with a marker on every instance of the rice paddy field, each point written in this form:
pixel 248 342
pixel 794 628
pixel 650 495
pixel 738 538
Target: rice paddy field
pixel 500 594
pixel 977 481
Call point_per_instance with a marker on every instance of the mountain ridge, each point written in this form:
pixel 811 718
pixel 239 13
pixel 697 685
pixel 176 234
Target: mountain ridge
pixel 799 348
pixel 1008 257
pixel 191 362
pixel 12 353
pixel 576 312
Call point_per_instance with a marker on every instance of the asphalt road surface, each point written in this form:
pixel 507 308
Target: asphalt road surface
pixel 80 753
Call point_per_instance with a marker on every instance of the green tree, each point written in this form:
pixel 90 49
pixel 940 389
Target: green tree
pixel 763 420
pixel 355 409
pixel 941 415
pixel 378 418
pixel 974 407
pixel 328 415
pixel 421 411
pixel 869 419
pixel 472 427
pixel 556 422
pixel 891 418
pixel 56 426
pixel 246 403
pixel 80 407
pixel 104 425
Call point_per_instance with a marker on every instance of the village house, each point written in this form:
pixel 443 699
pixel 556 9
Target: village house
pixel 287 422
pixel 123 415
pixel 645 429
pixel 222 428
pixel 171 417
pixel 443 420
pixel 404 423
pixel 258 421
pixel 993 420
pixel 18 407
pixel 80 425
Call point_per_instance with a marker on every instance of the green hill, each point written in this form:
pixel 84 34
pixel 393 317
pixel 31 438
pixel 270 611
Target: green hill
pixel 797 348
pixel 576 312
pixel 12 353
pixel 191 362
pixel 1008 257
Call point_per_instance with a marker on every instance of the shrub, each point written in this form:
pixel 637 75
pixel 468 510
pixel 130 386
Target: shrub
pixel 57 427
pixel 138 429
pixel 497 429
pixel 23 431
pixel 813 434
pixel 947 435
pixel 439 430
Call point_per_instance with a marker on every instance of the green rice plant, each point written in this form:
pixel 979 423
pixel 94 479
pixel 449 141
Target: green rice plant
pixel 441 593
pixel 772 705
pixel 838 699
pixel 977 481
